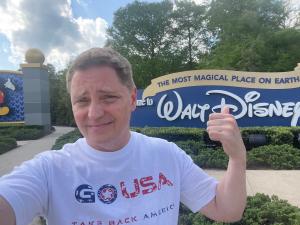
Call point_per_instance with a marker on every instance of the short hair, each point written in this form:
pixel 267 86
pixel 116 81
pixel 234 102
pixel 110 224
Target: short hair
pixel 102 57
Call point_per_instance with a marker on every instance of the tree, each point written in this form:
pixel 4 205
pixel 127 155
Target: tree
pixel 235 20
pixel 159 38
pixel 284 47
pixel 190 31
pixel 140 28
pixel 244 36
pixel 60 105
pixel 53 89
pixel 142 32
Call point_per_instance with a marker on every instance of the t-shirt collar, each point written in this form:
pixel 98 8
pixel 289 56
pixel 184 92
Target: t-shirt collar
pixel 101 155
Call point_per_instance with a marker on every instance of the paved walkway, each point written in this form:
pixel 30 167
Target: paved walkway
pixel 28 149
pixel 283 183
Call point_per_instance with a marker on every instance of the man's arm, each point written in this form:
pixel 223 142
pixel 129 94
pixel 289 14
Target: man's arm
pixel 230 200
pixel 7 215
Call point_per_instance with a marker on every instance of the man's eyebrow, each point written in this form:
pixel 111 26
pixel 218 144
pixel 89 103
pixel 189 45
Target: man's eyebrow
pixel 79 95
pixel 106 92
pixel 102 92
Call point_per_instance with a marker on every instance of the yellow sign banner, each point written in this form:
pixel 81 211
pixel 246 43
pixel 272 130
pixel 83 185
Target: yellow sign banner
pixel 260 80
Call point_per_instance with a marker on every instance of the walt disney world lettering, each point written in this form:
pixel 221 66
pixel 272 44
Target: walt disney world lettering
pixel 247 106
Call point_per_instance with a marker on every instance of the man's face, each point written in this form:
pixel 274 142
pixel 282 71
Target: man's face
pixel 102 106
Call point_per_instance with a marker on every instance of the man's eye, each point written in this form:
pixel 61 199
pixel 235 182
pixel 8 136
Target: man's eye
pixel 82 100
pixel 110 98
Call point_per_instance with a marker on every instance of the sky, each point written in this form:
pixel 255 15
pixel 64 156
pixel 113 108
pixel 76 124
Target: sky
pixel 61 29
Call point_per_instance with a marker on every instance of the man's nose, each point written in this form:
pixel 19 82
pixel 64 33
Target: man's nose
pixel 95 110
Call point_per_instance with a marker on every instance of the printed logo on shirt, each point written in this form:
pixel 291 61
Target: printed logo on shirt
pixel 145 185
pixel 108 193
pixel 84 194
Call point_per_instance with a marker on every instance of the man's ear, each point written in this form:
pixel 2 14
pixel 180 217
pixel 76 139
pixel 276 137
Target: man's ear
pixel 133 96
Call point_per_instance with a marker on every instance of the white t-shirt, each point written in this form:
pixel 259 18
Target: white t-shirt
pixel 140 184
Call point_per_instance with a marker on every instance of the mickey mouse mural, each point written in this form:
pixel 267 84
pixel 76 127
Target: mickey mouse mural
pixel 24 94
pixel 11 97
pixel 4 110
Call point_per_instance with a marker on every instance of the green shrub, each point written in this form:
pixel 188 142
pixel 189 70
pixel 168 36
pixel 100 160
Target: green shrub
pixel 245 131
pixel 70 137
pixel 6 131
pixel 211 158
pixel 4 147
pixel 9 140
pixel 173 133
pixel 281 135
pixel 6 144
pixel 296 133
pixel 191 147
pixel 274 157
pixel 22 132
pixel 27 134
pixel 203 156
pixel 268 156
pixel 260 210
pixel 275 135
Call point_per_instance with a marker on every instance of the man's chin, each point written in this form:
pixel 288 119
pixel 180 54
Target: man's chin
pixel 100 129
pixel 100 142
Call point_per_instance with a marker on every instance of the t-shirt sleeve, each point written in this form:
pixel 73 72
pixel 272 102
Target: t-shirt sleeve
pixel 197 187
pixel 25 188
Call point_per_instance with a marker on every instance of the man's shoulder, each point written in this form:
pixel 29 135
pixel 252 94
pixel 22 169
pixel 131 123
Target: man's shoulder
pixel 67 151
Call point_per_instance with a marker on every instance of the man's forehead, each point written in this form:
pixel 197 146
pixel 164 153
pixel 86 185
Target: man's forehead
pixel 103 91
pixel 87 81
pixel 95 68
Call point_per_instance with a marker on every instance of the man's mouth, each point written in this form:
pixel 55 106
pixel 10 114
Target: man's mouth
pixel 101 124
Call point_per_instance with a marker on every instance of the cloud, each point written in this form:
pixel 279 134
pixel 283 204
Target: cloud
pixel 82 3
pixel 49 26
pixel 201 2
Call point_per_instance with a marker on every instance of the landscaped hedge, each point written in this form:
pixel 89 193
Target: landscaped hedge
pixel 263 157
pixel 260 210
pixel 274 135
pixel 173 133
pixel 274 156
pixel 281 151
pixel 6 144
pixel 22 132
pixel 9 135
pixel 296 133
pixel 70 137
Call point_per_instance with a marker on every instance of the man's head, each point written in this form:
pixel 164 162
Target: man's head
pixel 103 96
pixel 102 57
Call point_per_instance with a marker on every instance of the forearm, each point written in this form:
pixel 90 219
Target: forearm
pixel 7 216
pixel 231 191
pixel 230 200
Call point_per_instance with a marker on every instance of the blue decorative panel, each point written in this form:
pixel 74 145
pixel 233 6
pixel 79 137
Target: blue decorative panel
pixel 186 99
pixel 11 98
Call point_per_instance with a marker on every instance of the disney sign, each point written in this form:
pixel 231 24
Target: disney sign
pixel 247 106
pixel 187 98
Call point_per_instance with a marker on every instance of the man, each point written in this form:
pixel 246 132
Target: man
pixel 115 176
